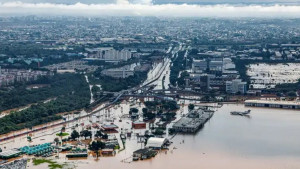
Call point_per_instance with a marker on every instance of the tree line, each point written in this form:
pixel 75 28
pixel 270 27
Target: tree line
pixel 74 95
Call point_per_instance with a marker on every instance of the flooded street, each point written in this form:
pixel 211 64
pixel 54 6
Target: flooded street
pixel 159 70
pixel 90 86
pixel 164 80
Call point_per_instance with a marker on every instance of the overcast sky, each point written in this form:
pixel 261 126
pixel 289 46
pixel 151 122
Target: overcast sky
pixel 168 8
pixel 166 1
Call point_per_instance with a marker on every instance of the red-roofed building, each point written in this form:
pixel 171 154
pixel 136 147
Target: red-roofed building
pixel 138 125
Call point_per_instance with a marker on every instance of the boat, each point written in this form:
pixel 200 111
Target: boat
pixel 241 113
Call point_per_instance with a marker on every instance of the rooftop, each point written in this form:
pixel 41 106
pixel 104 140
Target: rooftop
pixel 274 102
pixel 188 122
pixel 138 122
pixel 106 126
pixel 9 153
pixel 156 142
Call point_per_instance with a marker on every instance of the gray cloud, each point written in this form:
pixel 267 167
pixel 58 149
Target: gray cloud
pixel 165 1
pixel 148 8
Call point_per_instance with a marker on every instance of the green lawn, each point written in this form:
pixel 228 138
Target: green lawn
pixel 62 134
pixel 51 164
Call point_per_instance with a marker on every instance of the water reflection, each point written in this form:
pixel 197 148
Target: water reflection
pixel 268 138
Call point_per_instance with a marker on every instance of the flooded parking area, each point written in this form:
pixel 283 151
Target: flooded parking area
pixel 264 75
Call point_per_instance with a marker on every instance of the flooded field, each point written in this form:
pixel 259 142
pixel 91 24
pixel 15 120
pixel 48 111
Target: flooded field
pixel 268 75
pixel 268 138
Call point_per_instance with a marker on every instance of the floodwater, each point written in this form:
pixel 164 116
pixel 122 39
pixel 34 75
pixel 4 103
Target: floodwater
pixel 164 80
pixel 265 75
pixel 159 68
pixel 268 138
pixel 90 86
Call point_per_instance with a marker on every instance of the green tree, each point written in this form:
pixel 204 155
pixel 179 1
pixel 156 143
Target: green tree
pixel 145 110
pixel 98 134
pixel 74 135
pixel 158 131
pixel 56 140
pixel 86 133
pixel 96 146
pixel 292 94
pixel 133 110
pixel 191 106
pixel 63 129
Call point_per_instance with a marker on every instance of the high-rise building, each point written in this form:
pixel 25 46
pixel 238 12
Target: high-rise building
pixel 199 66
pixel 236 86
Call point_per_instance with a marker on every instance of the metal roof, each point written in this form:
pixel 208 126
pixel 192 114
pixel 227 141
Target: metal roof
pixel 273 102
pixel 156 142
pixel 9 153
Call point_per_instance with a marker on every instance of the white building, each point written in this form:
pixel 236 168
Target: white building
pixel 122 72
pixel 228 64
pixel 199 66
pixel 156 143
pixel 109 54
pixel 216 65
pixel 236 86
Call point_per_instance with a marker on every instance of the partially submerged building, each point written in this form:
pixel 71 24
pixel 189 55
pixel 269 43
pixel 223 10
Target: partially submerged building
pixel 157 143
pixel 16 164
pixel 193 121
pixel 144 153
pixel 273 104
pixel 109 128
pixel 138 125
pixel 236 86
pixel 77 153
pixel 10 154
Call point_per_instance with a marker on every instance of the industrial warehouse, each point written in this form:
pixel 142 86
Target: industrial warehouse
pixel 193 121
pixel 273 104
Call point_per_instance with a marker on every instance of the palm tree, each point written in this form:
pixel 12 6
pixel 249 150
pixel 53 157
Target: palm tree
pixel 63 129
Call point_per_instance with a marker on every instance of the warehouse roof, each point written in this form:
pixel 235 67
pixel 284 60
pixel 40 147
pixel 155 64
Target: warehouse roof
pixel 10 153
pixel 156 142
